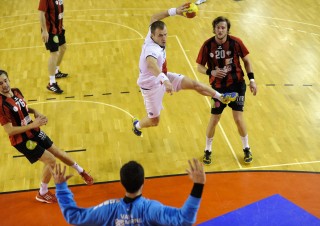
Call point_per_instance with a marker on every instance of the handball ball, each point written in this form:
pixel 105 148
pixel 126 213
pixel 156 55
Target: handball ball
pixel 192 10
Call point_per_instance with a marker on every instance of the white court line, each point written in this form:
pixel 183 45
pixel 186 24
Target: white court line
pixel 224 134
pixel 84 101
pixel 285 164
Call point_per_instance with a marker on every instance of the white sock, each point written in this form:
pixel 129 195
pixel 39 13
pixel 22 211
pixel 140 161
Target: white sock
pixel 138 125
pixel 245 141
pixel 77 167
pixel 43 188
pixel 57 69
pixel 209 143
pixel 52 79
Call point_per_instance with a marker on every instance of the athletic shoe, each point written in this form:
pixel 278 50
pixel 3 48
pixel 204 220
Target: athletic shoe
pixel 134 129
pixel 54 88
pixel 226 98
pixel 47 198
pixel 59 74
pixel 86 177
pixel 200 2
pixel 247 156
pixel 207 157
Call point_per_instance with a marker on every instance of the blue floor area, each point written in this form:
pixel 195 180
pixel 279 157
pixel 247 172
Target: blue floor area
pixel 272 211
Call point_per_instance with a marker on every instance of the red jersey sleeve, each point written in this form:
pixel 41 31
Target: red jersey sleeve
pixel 43 5
pixel 4 112
pixel 203 54
pixel 240 47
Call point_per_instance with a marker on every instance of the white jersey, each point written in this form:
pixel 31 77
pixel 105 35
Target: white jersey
pixel 147 80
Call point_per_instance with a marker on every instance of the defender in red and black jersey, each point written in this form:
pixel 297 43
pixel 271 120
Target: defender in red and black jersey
pixel 53 35
pixel 27 137
pixel 219 58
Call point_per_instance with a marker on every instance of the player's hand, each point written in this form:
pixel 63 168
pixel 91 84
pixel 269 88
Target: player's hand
pixel 45 36
pixel 40 121
pixel 219 73
pixel 183 8
pixel 37 114
pixel 196 171
pixel 253 88
pixel 168 85
pixel 58 175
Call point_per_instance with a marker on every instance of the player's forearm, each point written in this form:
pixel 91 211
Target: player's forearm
pixel 159 16
pixel 42 18
pixel 14 130
pixel 202 69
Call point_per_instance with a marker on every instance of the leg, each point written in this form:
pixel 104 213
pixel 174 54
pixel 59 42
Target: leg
pixel 149 122
pixel 49 162
pixel 62 50
pixel 52 63
pixel 201 88
pixel 44 195
pixel 214 120
pixel 238 118
pixel 65 158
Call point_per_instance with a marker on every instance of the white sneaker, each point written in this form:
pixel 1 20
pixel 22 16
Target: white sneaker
pixel 200 2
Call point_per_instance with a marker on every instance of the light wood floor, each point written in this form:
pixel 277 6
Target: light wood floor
pixel 101 96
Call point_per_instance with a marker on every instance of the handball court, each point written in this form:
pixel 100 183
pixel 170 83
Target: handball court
pixel 91 120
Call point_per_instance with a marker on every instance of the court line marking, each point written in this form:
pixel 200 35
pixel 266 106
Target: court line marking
pixel 208 102
pixel 147 9
pixel 284 164
pixel 84 101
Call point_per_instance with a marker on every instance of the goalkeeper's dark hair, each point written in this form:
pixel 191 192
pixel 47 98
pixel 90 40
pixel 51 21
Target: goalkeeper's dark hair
pixel 132 176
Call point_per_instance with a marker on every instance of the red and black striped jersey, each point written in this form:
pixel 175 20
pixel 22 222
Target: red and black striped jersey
pixel 15 110
pixel 224 56
pixel 54 15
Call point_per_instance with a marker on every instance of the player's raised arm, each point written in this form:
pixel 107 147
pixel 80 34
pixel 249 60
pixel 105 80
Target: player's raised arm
pixel 170 12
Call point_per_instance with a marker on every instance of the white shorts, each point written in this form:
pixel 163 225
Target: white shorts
pixel 153 97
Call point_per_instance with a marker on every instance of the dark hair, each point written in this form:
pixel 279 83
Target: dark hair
pixel 157 24
pixel 4 72
pixel 132 176
pixel 221 19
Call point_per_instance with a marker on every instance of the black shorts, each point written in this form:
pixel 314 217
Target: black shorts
pixel 34 148
pixel 217 107
pixel 54 41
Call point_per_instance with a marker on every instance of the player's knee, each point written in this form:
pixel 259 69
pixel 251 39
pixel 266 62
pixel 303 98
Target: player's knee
pixel 155 121
pixel 63 48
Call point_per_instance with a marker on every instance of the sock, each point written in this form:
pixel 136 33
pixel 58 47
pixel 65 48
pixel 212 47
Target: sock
pixel 245 141
pixel 217 95
pixel 209 143
pixel 52 79
pixel 57 69
pixel 77 167
pixel 138 125
pixel 43 188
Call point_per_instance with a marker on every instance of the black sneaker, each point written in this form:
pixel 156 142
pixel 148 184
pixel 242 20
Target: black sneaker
pixel 207 157
pixel 59 74
pixel 247 155
pixel 54 88
pixel 134 129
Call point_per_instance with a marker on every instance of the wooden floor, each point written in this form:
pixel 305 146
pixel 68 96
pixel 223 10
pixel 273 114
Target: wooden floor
pixel 92 118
